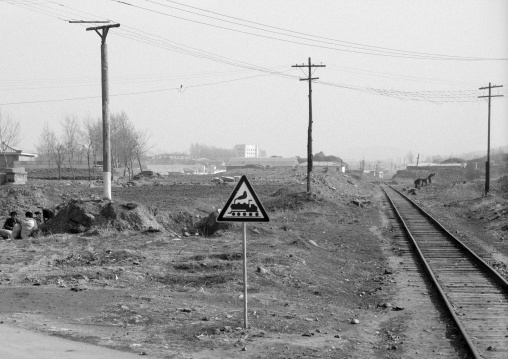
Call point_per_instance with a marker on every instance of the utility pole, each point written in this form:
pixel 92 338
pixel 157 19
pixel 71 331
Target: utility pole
pixel 487 164
pixel 309 139
pixel 102 31
pixel 417 160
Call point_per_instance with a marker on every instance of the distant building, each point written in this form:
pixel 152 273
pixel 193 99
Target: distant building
pixel 11 157
pixel 272 162
pixel 434 166
pixel 247 151
pixel 172 156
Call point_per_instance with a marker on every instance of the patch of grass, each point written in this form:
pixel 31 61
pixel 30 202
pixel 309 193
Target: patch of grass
pixel 221 256
pixel 196 280
pixel 203 267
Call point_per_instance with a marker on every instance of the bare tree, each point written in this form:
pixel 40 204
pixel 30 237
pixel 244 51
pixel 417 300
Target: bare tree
pixel 59 155
pixel 91 142
pixel 141 145
pixel 71 139
pixel 46 147
pixel 10 133
pixel 410 157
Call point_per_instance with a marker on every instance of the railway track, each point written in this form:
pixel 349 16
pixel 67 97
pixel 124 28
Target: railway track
pixel 475 295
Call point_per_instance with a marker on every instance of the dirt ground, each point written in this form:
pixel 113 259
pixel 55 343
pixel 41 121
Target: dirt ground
pixel 328 276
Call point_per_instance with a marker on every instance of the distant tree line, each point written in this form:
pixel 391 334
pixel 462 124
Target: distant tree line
pixel 81 141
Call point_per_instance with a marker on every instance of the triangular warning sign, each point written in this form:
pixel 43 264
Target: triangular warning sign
pixel 243 205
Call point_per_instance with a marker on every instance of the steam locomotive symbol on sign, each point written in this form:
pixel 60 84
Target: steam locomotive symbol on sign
pixel 243 205
pixel 243 209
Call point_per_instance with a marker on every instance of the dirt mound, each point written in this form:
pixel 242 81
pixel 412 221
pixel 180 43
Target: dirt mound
pixel 209 225
pixel 503 183
pixel 286 199
pixel 79 216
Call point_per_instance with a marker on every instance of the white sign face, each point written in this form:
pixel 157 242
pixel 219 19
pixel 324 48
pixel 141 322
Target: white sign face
pixel 243 205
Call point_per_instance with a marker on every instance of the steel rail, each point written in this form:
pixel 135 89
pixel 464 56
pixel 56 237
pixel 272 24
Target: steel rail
pixel 429 271
pixel 470 252
pixel 482 285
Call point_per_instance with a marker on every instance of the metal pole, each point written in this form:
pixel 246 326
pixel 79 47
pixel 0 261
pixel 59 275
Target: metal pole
pixel 106 152
pixel 245 320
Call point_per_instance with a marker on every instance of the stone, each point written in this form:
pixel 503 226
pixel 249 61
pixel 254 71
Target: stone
pixel 262 270
pixel 355 321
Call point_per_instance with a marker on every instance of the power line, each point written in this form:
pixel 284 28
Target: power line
pixel 167 44
pixel 385 53
pixel 133 93
pixel 374 50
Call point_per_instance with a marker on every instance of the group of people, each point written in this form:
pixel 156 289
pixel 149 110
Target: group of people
pixel 15 228
pixel 419 182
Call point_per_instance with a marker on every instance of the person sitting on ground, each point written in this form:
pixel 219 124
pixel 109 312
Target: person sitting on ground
pixel 47 214
pixel 28 225
pixel 38 218
pixel 9 225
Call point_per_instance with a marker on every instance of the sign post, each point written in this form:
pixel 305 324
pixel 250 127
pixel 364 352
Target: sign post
pixel 243 206
pixel 245 319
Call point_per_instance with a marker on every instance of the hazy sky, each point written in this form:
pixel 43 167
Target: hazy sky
pixel 219 72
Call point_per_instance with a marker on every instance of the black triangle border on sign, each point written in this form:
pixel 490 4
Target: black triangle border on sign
pixel 220 217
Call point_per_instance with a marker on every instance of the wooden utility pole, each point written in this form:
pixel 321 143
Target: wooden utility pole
pixel 487 164
pixel 417 160
pixel 309 139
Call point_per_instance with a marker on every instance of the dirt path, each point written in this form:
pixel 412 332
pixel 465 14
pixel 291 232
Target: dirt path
pixel 23 344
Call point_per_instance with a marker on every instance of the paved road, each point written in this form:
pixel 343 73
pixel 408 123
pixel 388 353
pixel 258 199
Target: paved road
pixel 18 343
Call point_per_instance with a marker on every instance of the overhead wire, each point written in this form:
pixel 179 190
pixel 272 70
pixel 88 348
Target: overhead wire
pixel 322 37
pixel 133 93
pixel 159 41
pixel 344 46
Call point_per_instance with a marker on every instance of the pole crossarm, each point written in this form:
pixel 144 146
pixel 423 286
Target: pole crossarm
pixel 105 30
pixel 88 22
pixel 488 88
pixel 102 27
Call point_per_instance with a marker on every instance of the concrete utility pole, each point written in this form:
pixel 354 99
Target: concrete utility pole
pixel 309 140
pixel 487 164
pixel 106 148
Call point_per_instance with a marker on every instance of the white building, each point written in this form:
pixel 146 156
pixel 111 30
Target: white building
pixel 247 151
